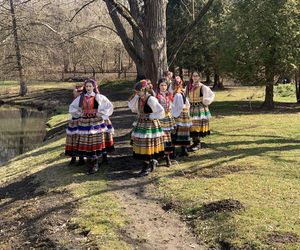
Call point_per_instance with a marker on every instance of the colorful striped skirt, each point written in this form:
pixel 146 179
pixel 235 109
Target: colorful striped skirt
pixel 88 138
pixel 200 115
pixel 168 125
pixel 181 137
pixel 71 138
pixel 108 137
pixel 147 139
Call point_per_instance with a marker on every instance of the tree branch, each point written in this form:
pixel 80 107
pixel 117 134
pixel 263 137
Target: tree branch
pixel 82 7
pixel 47 26
pixel 84 31
pixel 124 12
pixel 133 53
pixel 188 31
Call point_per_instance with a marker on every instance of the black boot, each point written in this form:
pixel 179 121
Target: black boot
pixel 93 167
pixel 184 151
pixel 81 161
pixel 145 170
pixel 153 164
pixel 73 161
pixel 168 161
pixel 104 158
pixel 173 154
pixel 195 146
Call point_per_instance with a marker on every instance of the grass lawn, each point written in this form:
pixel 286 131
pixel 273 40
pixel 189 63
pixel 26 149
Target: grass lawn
pixel 98 213
pixel 242 190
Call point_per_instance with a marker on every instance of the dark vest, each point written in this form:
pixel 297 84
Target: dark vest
pixel 147 109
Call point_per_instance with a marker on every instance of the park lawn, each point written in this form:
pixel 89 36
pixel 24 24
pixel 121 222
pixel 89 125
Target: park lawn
pixel 243 189
pixel 250 165
pixel 97 211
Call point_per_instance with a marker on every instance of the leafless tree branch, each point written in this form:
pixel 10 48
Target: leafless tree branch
pixel 82 7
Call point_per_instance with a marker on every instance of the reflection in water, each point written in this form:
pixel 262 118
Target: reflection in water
pixel 21 129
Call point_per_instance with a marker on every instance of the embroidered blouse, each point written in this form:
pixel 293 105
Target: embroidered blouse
pixel 93 103
pixel 158 111
pixel 180 102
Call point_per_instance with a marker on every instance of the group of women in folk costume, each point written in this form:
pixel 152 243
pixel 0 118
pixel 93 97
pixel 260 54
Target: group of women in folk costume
pixel 90 132
pixel 171 119
pixel 173 116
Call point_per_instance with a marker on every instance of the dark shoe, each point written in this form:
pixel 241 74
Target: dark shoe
pixel 196 147
pixel 93 166
pixel 81 161
pixel 93 169
pixel 168 161
pixel 145 170
pixel 184 151
pixel 104 158
pixel 173 155
pixel 153 165
pixel 73 161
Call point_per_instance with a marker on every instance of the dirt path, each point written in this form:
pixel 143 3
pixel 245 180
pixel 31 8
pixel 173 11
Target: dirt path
pixel 31 220
pixel 152 225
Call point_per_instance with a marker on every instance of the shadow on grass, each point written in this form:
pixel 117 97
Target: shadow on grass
pixel 229 156
pixel 225 108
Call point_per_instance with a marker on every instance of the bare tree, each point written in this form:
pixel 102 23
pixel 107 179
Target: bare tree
pixel 23 86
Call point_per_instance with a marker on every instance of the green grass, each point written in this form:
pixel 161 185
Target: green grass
pixel 252 158
pixel 97 210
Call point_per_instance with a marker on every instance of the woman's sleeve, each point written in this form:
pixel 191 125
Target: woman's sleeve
pixel 208 95
pixel 105 107
pixel 177 105
pixel 74 108
pixel 133 104
pixel 158 110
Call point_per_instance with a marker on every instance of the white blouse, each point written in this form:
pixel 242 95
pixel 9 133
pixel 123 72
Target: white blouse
pixel 158 110
pixel 105 107
pixel 208 95
pixel 178 105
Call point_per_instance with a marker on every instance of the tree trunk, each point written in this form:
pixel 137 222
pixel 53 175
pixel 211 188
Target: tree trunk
pixel 154 33
pixel 269 93
pixel 23 86
pixel 207 74
pixel 134 53
pixel 218 84
pixel 297 83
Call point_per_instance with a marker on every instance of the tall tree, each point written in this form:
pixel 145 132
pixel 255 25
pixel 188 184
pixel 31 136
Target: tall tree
pixel 147 20
pixel 201 51
pixel 19 60
pixel 261 42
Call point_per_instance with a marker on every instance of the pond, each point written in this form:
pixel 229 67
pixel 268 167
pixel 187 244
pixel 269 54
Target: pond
pixel 21 129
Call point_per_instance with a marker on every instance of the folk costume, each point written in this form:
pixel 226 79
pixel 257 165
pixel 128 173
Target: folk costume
pixel 73 122
pixel 199 96
pixel 91 110
pixel 167 123
pixel 181 112
pixel 147 135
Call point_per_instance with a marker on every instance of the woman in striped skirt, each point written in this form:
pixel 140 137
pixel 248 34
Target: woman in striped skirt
pixel 180 111
pixel 200 96
pixel 167 123
pixel 91 109
pixel 147 135
pixel 73 123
